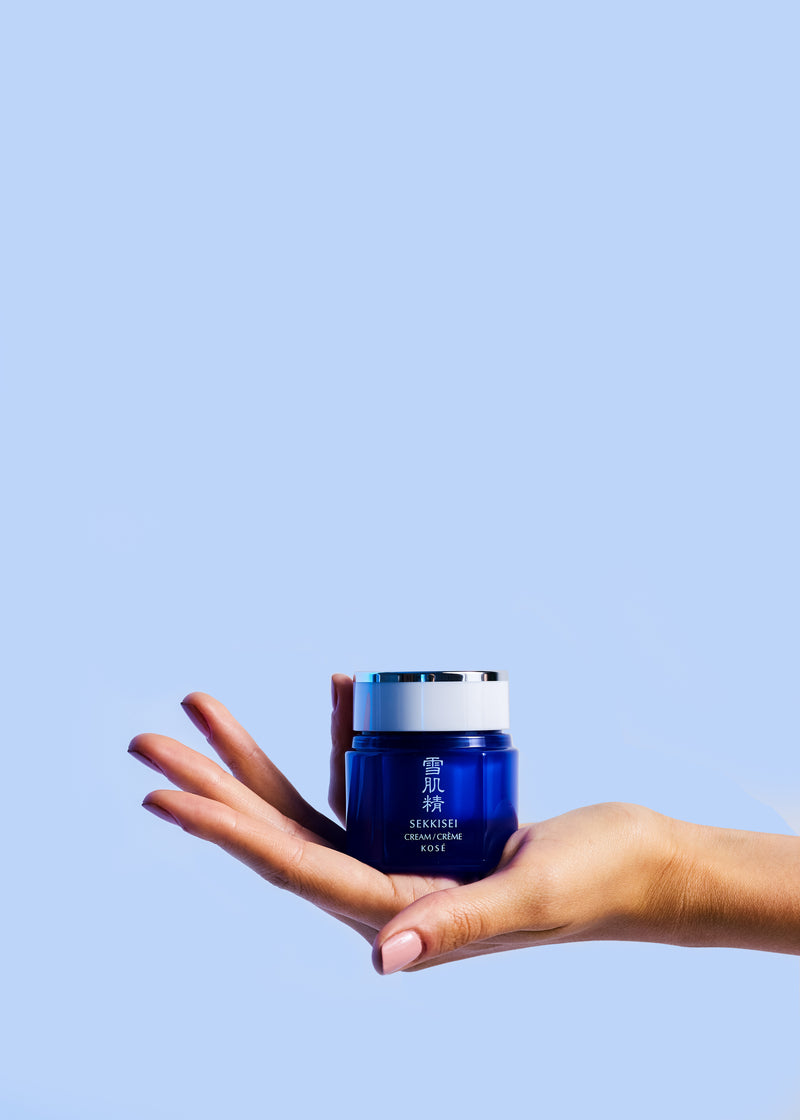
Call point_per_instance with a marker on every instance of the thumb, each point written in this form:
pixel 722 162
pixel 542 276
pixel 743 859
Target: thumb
pixel 447 920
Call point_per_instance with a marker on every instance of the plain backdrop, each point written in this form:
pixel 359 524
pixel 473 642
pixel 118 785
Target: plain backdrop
pixel 346 336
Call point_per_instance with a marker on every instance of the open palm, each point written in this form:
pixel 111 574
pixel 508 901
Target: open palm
pixel 584 874
pixel 257 815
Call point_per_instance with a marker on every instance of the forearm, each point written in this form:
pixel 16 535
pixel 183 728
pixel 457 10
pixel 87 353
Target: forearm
pixel 723 887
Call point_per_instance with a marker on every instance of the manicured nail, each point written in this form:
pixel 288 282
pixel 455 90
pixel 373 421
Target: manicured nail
pixel 157 811
pixel 334 694
pixel 400 950
pixel 197 718
pixel 143 758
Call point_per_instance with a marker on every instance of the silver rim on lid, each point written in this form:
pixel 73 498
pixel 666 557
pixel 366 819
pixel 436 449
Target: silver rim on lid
pixel 431 700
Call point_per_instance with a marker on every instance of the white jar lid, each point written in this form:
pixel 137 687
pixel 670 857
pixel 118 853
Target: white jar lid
pixel 441 700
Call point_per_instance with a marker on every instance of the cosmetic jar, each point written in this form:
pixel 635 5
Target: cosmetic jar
pixel 432 776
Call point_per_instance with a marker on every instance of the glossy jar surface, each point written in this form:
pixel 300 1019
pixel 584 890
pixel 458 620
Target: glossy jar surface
pixel 431 802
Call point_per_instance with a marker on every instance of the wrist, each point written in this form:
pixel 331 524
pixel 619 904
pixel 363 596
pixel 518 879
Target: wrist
pixel 726 888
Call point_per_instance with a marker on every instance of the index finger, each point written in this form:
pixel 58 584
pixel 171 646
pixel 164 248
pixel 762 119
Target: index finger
pixel 324 876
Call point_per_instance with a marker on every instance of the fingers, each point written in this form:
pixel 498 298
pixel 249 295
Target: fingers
pixel 323 876
pixel 196 773
pixel 452 923
pixel 239 751
pixel 341 739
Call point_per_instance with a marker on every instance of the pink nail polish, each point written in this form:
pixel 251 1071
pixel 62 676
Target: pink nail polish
pixel 400 950
pixel 147 761
pixel 197 719
pixel 157 811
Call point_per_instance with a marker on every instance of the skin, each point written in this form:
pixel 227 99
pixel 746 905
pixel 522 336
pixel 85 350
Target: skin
pixel 604 872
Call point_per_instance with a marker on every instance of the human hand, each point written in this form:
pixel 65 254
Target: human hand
pixel 606 871
pixel 256 815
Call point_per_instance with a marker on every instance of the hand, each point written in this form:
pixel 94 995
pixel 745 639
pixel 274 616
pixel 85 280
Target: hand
pixel 592 873
pixel 606 872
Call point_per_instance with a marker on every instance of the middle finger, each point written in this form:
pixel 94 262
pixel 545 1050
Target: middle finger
pixel 195 773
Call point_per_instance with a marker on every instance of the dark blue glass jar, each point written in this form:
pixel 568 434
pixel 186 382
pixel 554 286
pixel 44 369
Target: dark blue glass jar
pixel 432 777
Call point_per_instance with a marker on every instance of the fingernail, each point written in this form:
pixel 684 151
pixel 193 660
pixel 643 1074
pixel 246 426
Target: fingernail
pixel 334 694
pixel 143 758
pixel 400 950
pixel 197 719
pixel 157 811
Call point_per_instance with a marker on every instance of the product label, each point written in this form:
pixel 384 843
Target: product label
pixel 441 807
pixel 432 833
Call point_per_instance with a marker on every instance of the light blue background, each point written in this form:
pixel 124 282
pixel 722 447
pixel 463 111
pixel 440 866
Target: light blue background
pixel 344 336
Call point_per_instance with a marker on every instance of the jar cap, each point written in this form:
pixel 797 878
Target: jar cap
pixel 431 700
